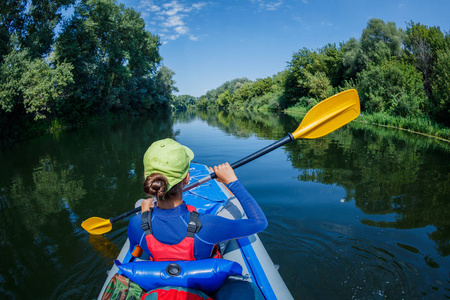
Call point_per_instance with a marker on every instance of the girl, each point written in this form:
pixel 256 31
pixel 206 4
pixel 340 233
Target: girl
pixel 168 229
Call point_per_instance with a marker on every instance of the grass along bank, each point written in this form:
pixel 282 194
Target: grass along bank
pixel 423 126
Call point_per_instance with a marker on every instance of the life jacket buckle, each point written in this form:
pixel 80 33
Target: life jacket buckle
pixel 146 221
pixel 192 227
pixel 145 226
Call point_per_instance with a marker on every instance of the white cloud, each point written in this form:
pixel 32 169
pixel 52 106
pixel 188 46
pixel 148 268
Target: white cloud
pixel 268 4
pixel 199 5
pixel 273 6
pixel 174 8
pixel 148 5
pixel 326 23
pixel 173 21
pixel 172 17
pixel 181 29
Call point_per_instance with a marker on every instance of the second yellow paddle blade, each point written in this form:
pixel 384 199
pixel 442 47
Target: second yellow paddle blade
pixel 97 225
pixel 329 115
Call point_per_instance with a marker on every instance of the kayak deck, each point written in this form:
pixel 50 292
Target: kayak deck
pixel 213 197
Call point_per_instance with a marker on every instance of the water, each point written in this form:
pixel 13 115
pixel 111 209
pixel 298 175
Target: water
pixel 363 213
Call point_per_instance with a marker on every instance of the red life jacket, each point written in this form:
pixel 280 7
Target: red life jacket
pixel 184 250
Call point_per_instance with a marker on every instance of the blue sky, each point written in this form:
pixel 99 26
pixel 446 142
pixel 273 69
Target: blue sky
pixel 207 43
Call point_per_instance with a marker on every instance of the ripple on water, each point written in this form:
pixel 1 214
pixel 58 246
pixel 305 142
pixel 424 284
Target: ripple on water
pixel 320 261
pixel 86 278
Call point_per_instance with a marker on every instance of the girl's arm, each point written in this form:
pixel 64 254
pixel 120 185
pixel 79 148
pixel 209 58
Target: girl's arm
pixel 218 229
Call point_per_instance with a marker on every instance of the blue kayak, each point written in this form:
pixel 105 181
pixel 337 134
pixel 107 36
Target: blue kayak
pixel 258 270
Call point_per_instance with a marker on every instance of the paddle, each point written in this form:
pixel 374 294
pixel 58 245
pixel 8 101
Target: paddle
pixel 325 117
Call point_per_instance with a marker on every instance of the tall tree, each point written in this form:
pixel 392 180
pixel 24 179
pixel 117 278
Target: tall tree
pixel 31 86
pixel 394 87
pixel 382 40
pixel 163 87
pixel 308 68
pixel 379 41
pixel 354 58
pixel 33 22
pixel 441 87
pixel 334 62
pixel 114 57
pixel 423 44
pixel 12 21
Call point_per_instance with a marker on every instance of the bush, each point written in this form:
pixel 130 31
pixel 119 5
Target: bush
pixel 441 88
pixel 392 86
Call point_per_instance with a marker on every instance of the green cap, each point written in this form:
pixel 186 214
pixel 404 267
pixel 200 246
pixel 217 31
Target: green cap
pixel 168 158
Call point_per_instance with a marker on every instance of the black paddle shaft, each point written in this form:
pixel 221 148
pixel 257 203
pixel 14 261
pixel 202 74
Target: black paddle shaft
pixel 124 215
pixel 278 144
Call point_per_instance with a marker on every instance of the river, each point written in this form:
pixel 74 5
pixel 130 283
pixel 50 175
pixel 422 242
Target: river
pixel 362 213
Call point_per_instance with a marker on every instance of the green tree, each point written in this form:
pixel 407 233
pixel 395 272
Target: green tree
pixel 319 85
pixel 223 99
pixel 33 22
pixel 428 49
pixel 381 40
pixel 12 23
pixel 114 58
pixel 309 73
pixel 202 103
pixel 303 62
pixel 232 86
pixel 334 61
pixel 441 87
pixel 240 96
pixel 31 86
pixel 354 58
pixel 261 87
pixel 164 85
pixel 393 87
pixel 423 43
pixel 183 102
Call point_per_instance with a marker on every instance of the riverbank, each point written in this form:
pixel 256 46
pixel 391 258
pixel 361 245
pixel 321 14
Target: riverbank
pixel 420 126
pixel 29 129
pixel 423 126
pixel 18 132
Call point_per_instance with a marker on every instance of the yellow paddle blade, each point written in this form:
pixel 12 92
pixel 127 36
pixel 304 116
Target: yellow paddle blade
pixel 329 115
pixel 96 225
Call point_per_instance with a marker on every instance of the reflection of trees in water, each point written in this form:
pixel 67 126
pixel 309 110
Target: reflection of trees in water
pixel 385 171
pixel 51 184
pixel 36 223
pixel 185 116
pixel 244 123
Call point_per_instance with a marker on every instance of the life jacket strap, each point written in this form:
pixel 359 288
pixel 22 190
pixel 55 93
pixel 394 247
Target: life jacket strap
pixel 194 225
pixel 146 221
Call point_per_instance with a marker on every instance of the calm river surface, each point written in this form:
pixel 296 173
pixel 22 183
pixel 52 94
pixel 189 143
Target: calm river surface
pixel 363 213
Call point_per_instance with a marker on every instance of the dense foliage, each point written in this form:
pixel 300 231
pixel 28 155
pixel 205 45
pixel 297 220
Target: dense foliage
pixel 397 73
pixel 103 60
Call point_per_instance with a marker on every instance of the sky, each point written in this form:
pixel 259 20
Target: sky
pixel 206 43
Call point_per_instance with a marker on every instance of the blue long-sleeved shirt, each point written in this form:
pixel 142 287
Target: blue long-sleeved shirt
pixel 170 225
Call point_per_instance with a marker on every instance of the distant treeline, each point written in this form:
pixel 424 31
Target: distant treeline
pixel 402 77
pixel 103 60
